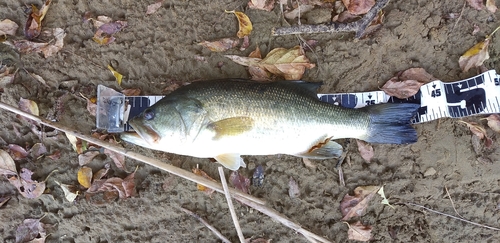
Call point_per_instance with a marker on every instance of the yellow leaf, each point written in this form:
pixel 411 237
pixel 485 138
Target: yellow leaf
pixel 117 75
pixel 244 23
pixel 85 176
pixel 475 56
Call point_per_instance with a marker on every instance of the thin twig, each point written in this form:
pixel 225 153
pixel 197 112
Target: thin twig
pixel 283 219
pixel 452 204
pixel 230 204
pixel 454 217
pixel 210 227
pixel 357 26
pixel 244 198
pixel 459 16
pixel 133 155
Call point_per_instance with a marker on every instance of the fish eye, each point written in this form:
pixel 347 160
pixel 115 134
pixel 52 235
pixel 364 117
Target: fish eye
pixel 149 114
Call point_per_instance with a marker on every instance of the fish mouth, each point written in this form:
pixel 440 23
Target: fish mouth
pixel 146 132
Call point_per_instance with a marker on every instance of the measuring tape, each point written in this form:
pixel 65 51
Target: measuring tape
pixel 473 96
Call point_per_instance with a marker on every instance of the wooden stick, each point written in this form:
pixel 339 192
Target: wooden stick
pixel 284 220
pixel 210 227
pixel 244 198
pixel 358 26
pixel 230 204
pixel 150 161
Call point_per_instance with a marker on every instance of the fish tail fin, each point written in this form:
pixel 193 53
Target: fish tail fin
pixel 390 123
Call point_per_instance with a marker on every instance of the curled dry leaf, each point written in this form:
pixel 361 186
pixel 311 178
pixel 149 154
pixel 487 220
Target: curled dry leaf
pixel 76 143
pixel 293 188
pixel 358 231
pixel 26 186
pixel 47 49
pixel 118 159
pixel 407 83
pixel 114 187
pixel 118 76
pixel 352 206
pixel 85 176
pixel 258 73
pixel 17 152
pixel 220 45
pixel 477 4
pixel 358 7
pixel 494 122
pixel 29 106
pixel 288 63
pixel 132 92
pixel 8 27
pixel 7 164
pixel 475 56
pixel 480 132
pixel 38 150
pixel 200 187
pixel 245 44
pixel 69 191
pixel 365 150
pixel 245 25
pixel 239 182
pixel 267 5
pixel 106 28
pixel 101 173
pixel 31 230
pixel 33 26
pixel 87 157
pixel 152 8
pixel 491 6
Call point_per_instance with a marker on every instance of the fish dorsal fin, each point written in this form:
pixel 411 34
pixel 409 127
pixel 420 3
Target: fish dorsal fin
pixel 309 87
pixel 231 161
pixel 323 150
pixel 231 126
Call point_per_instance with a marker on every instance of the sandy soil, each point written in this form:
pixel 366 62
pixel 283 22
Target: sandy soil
pixel 157 51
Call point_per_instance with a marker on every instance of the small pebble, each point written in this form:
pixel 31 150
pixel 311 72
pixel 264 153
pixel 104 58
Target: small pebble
pixel 430 172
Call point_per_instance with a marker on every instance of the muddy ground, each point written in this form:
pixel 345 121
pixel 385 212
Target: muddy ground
pixel 158 51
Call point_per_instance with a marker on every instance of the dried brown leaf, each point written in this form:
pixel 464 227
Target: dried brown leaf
pixel 38 150
pixel 112 187
pixel 245 44
pixel 365 150
pixel 418 74
pixel 33 25
pixel 8 27
pixel 258 73
pixel 266 5
pixel 200 187
pixel 245 61
pixel 69 191
pixel 7 164
pixel 152 8
pixel 47 49
pixel 29 230
pixel 352 206
pixel 26 186
pixel 29 106
pixel 401 89
pixel 477 4
pixel 76 143
pixel 239 182
pixel 293 188
pixel 17 152
pixel 494 122
pixel 85 176
pixel 358 231
pixel 132 92
pixel 475 56
pixel 87 157
pixel 288 63
pixel 106 30
pixel 476 129
pixel 358 7
pixel 491 6
pixel 220 45
pixel 118 159
pixel 101 173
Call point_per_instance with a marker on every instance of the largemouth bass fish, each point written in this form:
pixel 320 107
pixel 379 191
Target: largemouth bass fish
pixel 224 119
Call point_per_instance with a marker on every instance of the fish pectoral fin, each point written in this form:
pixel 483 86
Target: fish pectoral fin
pixel 231 126
pixel 231 161
pixel 323 150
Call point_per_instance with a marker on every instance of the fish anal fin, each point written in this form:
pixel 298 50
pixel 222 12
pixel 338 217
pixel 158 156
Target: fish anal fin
pixel 231 126
pixel 230 161
pixel 323 150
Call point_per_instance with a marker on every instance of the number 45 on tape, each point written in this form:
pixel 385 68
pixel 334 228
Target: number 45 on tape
pixel 473 96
